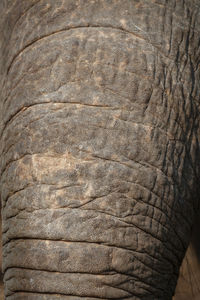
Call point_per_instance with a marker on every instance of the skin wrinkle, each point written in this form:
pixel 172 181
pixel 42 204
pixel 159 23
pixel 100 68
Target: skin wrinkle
pixel 113 66
pixel 68 29
pixel 49 293
pixel 12 117
pixel 27 107
pixel 92 105
pixel 61 272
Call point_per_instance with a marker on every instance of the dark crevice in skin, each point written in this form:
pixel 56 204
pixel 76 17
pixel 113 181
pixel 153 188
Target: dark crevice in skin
pixel 64 295
pixel 79 27
pixel 18 191
pixel 122 289
pixel 15 160
pixel 57 294
pixel 113 272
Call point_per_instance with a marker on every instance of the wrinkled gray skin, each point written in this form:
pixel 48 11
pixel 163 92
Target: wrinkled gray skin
pixel 100 130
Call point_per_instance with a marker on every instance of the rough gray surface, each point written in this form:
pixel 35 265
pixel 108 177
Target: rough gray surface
pixel 99 146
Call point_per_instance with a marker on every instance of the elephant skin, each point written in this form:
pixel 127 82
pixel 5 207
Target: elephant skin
pixel 100 131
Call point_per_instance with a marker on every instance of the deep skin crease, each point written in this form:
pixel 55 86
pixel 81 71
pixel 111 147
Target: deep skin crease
pixel 100 130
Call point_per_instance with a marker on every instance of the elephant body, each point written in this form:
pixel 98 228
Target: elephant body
pixel 100 130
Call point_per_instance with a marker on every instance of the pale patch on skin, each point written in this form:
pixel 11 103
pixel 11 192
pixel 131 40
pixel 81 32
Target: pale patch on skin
pixel 123 22
pixel 89 192
pixel 122 66
pixel 81 36
pixel 102 34
pixel 98 80
pixel 46 8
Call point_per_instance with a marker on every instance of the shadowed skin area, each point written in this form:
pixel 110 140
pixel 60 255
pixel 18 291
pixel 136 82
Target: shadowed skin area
pixel 188 286
pixel 100 130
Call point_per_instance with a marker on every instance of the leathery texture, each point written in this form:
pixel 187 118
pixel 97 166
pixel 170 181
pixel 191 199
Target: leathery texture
pixel 99 146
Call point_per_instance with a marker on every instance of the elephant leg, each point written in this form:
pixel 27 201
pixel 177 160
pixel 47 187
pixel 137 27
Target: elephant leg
pixel 99 146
